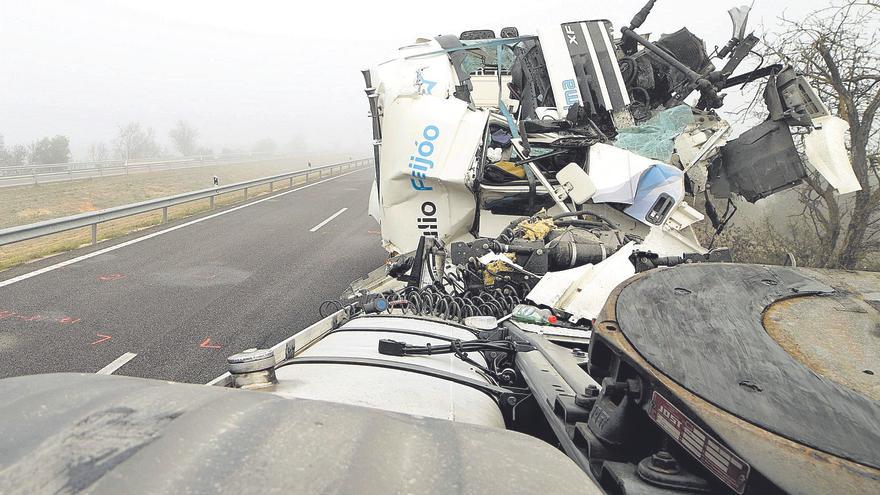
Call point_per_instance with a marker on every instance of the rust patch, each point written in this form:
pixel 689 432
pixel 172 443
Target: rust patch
pixel 836 337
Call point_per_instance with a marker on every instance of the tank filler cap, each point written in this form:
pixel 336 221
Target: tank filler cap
pixel 250 361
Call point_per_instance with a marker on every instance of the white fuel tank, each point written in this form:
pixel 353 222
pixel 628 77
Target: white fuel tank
pixel 397 390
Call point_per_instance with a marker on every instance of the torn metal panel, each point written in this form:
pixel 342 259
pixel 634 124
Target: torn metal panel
pixel 428 146
pixel 683 216
pixel 700 144
pixel 616 173
pixel 420 69
pixel 373 208
pixel 588 286
pixel 825 149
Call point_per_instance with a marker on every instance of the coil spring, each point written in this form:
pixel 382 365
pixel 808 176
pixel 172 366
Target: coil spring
pixel 434 300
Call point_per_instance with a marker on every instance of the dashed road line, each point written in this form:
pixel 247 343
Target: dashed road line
pixel 116 364
pixel 325 222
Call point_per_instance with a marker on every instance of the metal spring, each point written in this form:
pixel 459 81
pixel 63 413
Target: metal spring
pixel 434 300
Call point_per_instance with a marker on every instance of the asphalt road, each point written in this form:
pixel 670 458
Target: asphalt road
pixel 185 299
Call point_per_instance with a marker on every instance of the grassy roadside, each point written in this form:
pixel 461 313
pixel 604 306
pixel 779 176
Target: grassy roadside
pixel 28 204
pixel 33 203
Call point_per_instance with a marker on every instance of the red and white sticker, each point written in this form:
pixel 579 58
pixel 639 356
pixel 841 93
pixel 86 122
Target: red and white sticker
pixel 718 459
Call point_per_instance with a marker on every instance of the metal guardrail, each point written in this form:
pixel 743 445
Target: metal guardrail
pixel 21 175
pixel 56 225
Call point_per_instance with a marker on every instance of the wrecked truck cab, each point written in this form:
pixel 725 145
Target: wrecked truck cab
pixel 471 132
pixel 529 163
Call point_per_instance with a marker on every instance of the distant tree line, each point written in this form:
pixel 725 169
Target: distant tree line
pixel 46 150
pixel 133 141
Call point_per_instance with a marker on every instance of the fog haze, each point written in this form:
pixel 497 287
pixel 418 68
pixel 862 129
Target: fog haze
pixel 244 71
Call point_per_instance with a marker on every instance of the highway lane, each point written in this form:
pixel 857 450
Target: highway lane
pixel 184 300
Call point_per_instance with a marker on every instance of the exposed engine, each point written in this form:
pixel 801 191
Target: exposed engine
pixel 490 276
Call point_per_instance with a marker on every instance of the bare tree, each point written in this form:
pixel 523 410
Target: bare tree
pixel 184 138
pixel 15 156
pixel 838 49
pixel 20 155
pixel 98 152
pixel 136 142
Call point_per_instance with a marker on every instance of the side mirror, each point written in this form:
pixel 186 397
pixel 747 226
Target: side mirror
pixel 575 183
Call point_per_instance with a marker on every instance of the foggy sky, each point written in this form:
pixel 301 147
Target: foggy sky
pixel 242 71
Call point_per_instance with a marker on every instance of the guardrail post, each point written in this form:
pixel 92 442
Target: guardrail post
pixel 165 215
pixel 271 188
pixel 245 193
pixel 291 182
pixel 35 175
pixel 212 202
pixel 94 234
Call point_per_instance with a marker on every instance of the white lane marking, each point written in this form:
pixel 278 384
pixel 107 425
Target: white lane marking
pixel 217 380
pixel 325 222
pixel 116 364
pixel 155 234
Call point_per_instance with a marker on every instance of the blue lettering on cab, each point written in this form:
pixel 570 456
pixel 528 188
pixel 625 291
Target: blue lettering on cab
pixel 420 162
pixel 571 94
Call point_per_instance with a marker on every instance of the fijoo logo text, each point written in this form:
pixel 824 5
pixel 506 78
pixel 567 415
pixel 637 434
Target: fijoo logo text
pixel 420 162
